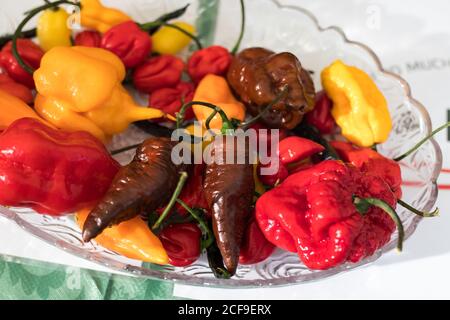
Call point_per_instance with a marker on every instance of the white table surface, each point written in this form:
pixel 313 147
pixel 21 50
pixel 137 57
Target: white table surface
pixel 411 37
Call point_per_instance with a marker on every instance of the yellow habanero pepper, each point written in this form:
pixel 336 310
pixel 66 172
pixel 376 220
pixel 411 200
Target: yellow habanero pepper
pixel 132 239
pixel 12 109
pixel 168 40
pixel 52 29
pixel 214 89
pixel 359 107
pixel 98 17
pixel 80 88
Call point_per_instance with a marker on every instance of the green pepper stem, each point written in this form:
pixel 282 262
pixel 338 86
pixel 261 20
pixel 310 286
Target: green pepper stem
pixel 173 199
pixel 210 237
pixel 152 27
pixel 422 214
pixel 241 35
pixel 30 15
pixel 227 124
pixel 245 125
pixel 421 142
pixel 25 34
pixel 363 205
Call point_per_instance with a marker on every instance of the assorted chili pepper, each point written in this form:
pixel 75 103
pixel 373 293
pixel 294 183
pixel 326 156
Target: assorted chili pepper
pixel 331 202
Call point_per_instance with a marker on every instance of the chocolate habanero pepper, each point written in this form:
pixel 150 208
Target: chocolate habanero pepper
pixel 88 38
pixel 126 40
pixel 329 214
pixel 52 171
pixel 158 72
pixel 145 184
pixel 258 76
pixel 211 60
pixel 31 54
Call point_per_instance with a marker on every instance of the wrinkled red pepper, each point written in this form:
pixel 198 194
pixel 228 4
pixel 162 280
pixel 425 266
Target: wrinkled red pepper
pixel 52 171
pixel 170 100
pixel 88 38
pixel 313 213
pixel 320 117
pixel 16 89
pixel 31 54
pixel 370 161
pixel 182 243
pixel 131 44
pixel 159 72
pixel 255 248
pixel 212 60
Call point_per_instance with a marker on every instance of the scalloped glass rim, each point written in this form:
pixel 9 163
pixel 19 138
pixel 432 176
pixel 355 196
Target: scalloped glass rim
pixel 289 280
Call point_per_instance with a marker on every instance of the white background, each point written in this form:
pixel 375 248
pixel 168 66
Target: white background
pixel 411 37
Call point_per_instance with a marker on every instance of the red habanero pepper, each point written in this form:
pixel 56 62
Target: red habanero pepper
pixel 314 213
pixel 370 161
pixel 182 243
pixel 212 60
pixel 255 247
pixel 31 54
pixel 88 38
pixel 320 117
pixel 158 72
pixel 131 44
pixel 52 171
pixel 16 89
pixel 170 100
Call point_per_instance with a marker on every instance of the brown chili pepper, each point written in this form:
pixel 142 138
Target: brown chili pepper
pixel 146 183
pixel 229 192
pixel 258 76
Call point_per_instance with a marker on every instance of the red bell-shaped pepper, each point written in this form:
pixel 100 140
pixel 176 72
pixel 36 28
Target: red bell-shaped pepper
pixel 314 213
pixel 31 54
pixel 320 117
pixel 131 44
pixel 182 243
pixel 370 161
pixel 159 72
pixel 52 171
pixel 88 38
pixel 170 100
pixel 212 60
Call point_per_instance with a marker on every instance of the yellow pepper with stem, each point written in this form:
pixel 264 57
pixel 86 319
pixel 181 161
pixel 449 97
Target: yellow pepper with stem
pixel 168 40
pixel 359 107
pixel 52 29
pixel 132 239
pixel 98 17
pixel 80 88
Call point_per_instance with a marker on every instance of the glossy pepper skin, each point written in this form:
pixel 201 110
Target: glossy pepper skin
pixel 12 108
pixel 359 107
pixel 215 90
pixel 258 76
pixel 212 60
pixel 159 72
pixel 52 29
pixel 128 42
pixel 255 248
pixel 51 171
pixel 132 239
pixel 98 17
pixel 170 41
pixel 229 190
pixel 88 38
pixel 320 117
pixel 79 88
pixel 312 213
pixel 169 100
pixel 7 84
pixel 30 52
pixel 372 162
pixel 182 243
pixel 147 183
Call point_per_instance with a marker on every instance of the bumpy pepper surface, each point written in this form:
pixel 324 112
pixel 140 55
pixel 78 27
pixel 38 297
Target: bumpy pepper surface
pixel 258 76
pixel 313 213
pixel 212 60
pixel 79 88
pixel 359 107
pixel 52 171
pixel 98 17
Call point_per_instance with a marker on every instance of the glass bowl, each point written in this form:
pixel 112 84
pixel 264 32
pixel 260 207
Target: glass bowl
pixel 280 28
